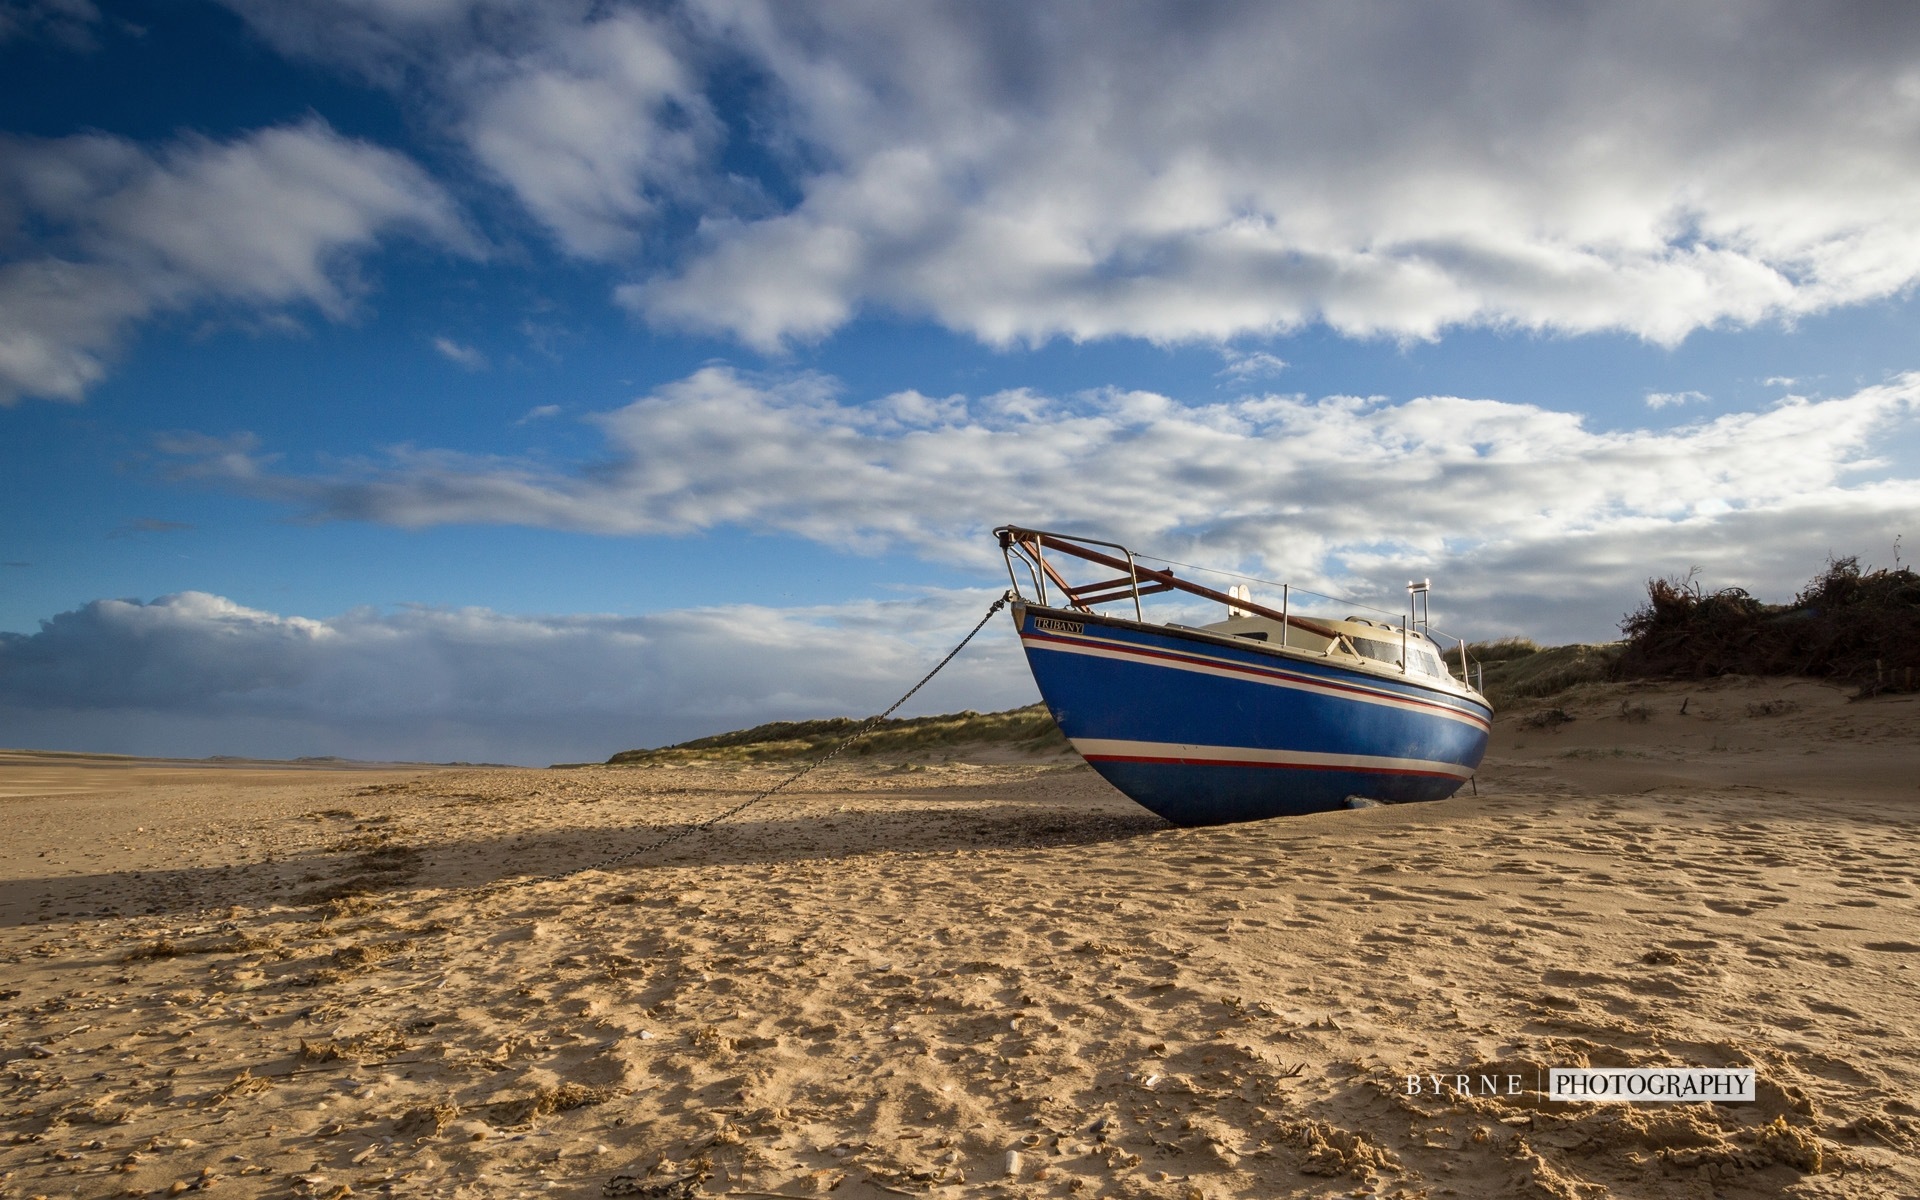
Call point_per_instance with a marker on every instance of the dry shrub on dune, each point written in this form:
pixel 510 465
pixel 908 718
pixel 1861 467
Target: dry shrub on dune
pixel 1861 626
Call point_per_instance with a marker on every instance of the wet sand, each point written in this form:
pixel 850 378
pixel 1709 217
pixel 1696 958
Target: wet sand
pixel 957 979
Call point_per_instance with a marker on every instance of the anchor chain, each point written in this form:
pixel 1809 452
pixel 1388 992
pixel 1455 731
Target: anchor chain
pixel 686 831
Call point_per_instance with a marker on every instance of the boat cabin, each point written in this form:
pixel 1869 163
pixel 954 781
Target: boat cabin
pixel 1372 642
pixel 1376 647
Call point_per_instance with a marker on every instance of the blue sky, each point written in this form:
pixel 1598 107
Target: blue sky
pixel 523 382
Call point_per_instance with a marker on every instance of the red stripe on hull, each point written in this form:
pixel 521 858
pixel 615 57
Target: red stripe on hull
pixel 1281 766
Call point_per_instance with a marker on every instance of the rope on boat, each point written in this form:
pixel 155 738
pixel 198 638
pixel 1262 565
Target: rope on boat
pixel 686 831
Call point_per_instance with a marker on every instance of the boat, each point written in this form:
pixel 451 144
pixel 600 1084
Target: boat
pixel 1263 713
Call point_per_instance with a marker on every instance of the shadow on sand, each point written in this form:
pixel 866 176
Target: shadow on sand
pixel 317 877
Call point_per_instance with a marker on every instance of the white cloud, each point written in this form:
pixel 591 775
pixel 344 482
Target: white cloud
pixel 539 412
pixel 381 40
pixel 1671 399
pixel 592 116
pixel 1177 173
pixel 590 129
pixel 1327 491
pixel 270 220
pixel 460 354
pixel 1245 365
pixel 199 674
pixel 1183 172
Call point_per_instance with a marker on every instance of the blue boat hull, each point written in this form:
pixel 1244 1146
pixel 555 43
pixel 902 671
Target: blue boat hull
pixel 1205 729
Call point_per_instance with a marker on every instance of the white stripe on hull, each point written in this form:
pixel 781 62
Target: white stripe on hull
pixel 1199 664
pixel 1242 756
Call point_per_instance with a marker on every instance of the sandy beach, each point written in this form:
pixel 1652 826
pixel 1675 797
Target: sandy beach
pixel 975 977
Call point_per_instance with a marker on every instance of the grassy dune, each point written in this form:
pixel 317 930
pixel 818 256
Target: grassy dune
pixel 1516 669
pixel 1030 729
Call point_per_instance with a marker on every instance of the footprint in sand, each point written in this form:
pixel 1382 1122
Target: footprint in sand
pixel 1737 908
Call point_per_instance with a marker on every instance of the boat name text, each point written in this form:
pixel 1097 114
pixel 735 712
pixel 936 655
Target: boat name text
pixel 1052 625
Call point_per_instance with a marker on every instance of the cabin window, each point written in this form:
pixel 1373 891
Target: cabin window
pixel 1387 652
pixel 1422 661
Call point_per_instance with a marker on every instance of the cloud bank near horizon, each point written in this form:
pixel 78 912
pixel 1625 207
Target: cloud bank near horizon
pixel 1173 172
pixel 194 674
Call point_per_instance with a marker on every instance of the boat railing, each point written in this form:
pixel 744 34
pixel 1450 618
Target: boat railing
pixel 1419 616
pixel 1029 547
pixel 1471 671
pixel 1026 550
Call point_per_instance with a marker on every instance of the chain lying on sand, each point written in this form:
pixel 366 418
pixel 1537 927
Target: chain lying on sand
pixel 686 831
